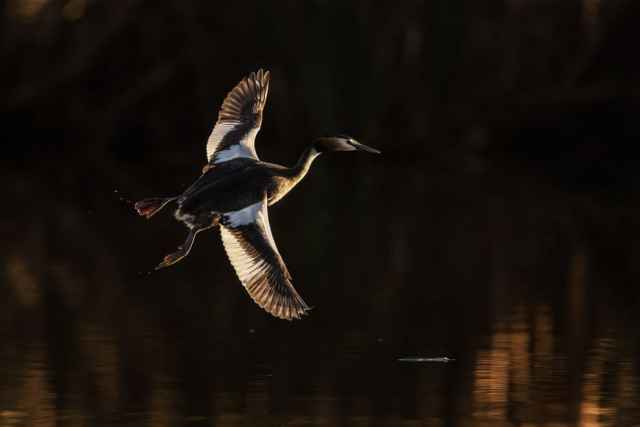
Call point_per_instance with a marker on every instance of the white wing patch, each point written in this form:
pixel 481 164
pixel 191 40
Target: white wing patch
pixel 245 216
pixel 243 148
pixel 218 132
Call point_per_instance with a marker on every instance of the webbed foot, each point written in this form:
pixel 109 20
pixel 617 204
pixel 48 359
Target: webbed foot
pixel 172 258
pixel 183 250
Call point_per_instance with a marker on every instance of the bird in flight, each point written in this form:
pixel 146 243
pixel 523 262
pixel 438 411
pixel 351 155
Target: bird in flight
pixel 234 191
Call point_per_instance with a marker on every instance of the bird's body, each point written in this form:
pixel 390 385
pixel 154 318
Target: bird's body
pixel 239 182
pixel 234 192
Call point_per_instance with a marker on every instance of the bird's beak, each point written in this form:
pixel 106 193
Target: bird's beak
pixel 363 147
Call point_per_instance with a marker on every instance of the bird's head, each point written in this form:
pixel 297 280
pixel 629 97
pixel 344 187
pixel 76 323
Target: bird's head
pixel 340 143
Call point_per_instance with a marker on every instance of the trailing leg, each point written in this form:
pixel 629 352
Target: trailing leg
pixel 149 207
pixel 184 249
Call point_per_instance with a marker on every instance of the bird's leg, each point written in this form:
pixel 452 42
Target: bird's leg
pixel 183 250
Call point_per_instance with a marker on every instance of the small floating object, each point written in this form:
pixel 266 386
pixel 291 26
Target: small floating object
pixel 444 359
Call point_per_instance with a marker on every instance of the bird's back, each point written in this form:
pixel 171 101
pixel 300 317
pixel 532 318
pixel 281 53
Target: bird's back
pixel 227 188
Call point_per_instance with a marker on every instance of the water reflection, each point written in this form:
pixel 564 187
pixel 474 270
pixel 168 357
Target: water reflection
pixel 519 288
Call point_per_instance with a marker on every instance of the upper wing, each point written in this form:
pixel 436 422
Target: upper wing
pixel 239 120
pixel 249 244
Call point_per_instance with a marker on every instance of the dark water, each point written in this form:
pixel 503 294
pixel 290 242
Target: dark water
pixel 532 289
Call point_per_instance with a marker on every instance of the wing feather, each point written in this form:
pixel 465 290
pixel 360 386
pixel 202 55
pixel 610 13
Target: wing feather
pixel 239 120
pixel 248 241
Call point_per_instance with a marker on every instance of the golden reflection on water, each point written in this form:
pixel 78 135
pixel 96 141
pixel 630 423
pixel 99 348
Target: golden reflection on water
pixel 594 411
pixel 627 390
pixel 504 393
pixel 491 379
pixel 101 352
pixel 520 361
pixel 34 402
pixel 162 403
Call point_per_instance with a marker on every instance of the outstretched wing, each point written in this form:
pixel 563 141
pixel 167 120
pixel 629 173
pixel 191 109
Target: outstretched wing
pixel 247 239
pixel 239 120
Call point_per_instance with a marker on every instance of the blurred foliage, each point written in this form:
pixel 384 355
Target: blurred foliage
pixel 452 79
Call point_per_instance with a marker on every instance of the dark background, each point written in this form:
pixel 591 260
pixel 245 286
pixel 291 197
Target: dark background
pixel 498 227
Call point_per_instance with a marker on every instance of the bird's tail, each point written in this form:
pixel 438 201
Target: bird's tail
pixel 148 207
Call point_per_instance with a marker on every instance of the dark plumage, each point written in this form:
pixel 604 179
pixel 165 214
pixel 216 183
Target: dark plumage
pixel 234 191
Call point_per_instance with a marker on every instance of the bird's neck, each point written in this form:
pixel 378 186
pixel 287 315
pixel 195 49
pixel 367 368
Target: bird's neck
pixel 290 177
pixel 300 169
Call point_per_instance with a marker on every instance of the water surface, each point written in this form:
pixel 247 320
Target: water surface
pixel 531 289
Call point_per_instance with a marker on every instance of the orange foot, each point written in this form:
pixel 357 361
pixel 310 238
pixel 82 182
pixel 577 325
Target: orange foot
pixel 170 260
